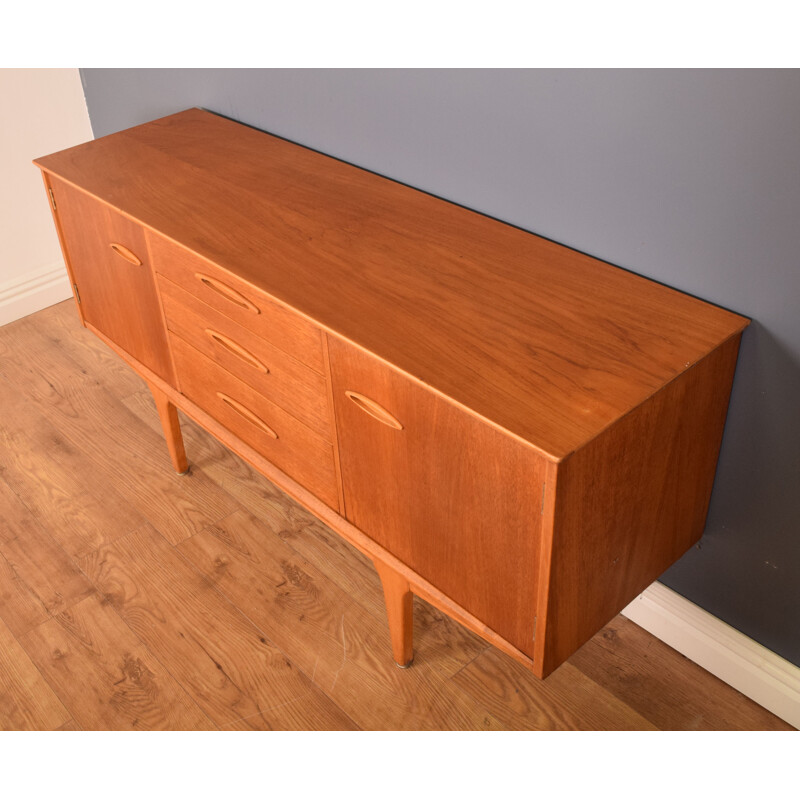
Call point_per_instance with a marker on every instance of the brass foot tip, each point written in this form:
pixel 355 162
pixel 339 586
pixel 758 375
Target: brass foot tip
pixel 185 472
pixel 406 665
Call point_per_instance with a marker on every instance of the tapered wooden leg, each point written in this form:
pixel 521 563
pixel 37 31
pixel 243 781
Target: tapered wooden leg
pixel 168 415
pixel 399 609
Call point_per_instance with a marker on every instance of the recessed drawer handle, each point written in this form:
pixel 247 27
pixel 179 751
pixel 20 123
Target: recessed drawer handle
pixel 247 414
pixel 375 410
pixel 227 292
pixel 236 349
pixel 123 251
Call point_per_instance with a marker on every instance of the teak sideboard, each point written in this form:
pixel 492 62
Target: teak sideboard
pixel 522 435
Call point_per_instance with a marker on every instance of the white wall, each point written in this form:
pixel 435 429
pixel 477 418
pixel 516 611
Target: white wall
pixel 43 111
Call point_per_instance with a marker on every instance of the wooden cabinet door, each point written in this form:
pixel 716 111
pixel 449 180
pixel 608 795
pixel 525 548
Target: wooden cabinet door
pixel 109 261
pixel 453 498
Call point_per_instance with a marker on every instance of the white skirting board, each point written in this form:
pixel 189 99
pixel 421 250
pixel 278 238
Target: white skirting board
pixel 33 292
pixel 755 671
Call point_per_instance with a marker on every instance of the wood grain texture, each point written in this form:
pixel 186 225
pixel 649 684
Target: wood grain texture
pixel 287 443
pixel 20 608
pixel 69 725
pixel 126 455
pixel 34 556
pixel 45 472
pixel 630 663
pixel 225 663
pixel 455 500
pixel 334 640
pixel 566 701
pixel 293 714
pixel 104 675
pixel 441 641
pixel 563 343
pixel 26 701
pixel 238 301
pixel 629 504
pixel 105 269
pixel 88 353
pixel 285 381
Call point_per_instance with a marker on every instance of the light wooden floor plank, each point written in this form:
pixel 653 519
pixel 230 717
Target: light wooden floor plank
pixel 69 725
pixel 226 664
pixel 27 703
pixel 630 663
pixel 35 557
pixel 49 478
pixel 20 608
pixel 105 677
pixel 60 326
pixel 119 445
pixel 567 700
pixel 333 639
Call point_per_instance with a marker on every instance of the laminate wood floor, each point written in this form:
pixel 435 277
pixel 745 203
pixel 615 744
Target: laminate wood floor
pixel 132 598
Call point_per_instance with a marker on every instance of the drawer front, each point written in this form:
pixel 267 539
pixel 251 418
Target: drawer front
pixel 109 261
pixel 262 425
pixel 453 498
pixel 238 301
pixel 294 387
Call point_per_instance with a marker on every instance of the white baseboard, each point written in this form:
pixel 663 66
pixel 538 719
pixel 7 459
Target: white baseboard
pixel 43 288
pixel 755 671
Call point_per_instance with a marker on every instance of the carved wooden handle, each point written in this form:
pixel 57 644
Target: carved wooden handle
pixel 236 349
pixel 375 410
pixel 128 255
pixel 247 414
pixel 227 292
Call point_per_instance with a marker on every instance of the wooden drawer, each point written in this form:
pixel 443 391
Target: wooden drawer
pixel 293 386
pixel 259 423
pixel 238 301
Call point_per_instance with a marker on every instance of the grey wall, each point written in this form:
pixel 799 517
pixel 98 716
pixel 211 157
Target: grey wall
pixel 688 177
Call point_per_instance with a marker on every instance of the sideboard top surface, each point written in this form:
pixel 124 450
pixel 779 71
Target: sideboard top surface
pixel 545 342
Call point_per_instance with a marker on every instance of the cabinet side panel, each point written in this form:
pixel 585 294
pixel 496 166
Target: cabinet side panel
pixel 633 501
pixel 454 499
